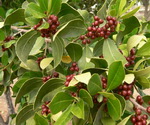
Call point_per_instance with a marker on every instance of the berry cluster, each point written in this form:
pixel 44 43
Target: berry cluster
pixel 52 29
pixel 45 108
pixel 139 100
pixel 125 90
pixel 96 31
pixel 104 82
pixel 39 60
pixel 68 79
pixel 7 39
pixel 131 58
pixel 46 78
pixel 74 67
pixel 138 118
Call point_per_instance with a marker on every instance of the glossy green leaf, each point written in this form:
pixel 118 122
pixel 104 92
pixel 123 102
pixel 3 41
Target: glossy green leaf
pixel 46 88
pixel 40 120
pixel 98 49
pixel 57 50
pixel 45 62
pixel 114 108
pixel 25 44
pixel 73 28
pixel 24 114
pixel 124 121
pixel 144 50
pixel 37 46
pixel 83 94
pixel 108 121
pixel 55 6
pixel 94 85
pixel 134 40
pixel 4 58
pixel 78 109
pixel 131 13
pixel 27 87
pixel 45 25
pixel 143 72
pixel 99 63
pixel 128 27
pixel 75 51
pixel 16 16
pixel 111 52
pixel 95 70
pixel 36 11
pixel 60 102
pixel 102 12
pixel 121 6
pixel 43 4
pixel 116 75
pixel 146 98
pixel 65 117
pixel 144 82
pixel 108 95
pixel 2 34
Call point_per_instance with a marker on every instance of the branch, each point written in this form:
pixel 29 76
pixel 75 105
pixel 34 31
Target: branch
pixel 18 29
pixel 11 109
pixel 2 121
pixel 137 105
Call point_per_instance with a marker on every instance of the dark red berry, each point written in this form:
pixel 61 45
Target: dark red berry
pixel 132 51
pixel 89 29
pixel 100 21
pixel 96 18
pixel 145 117
pixel 124 93
pixel 148 109
pixel 138 111
pixel 109 18
pixel 133 119
pixel 84 41
pixel 82 37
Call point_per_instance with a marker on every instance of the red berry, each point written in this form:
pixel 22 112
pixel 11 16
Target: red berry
pixel 132 51
pixel 127 64
pixel 89 29
pixel 138 117
pixel 74 64
pixel 125 87
pixel 56 75
pixel 84 41
pixel 127 97
pixel 129 92
pixel 110 22
pixel 82 37
pixel 104 99
pixel 76 69
pixel 145 117
pixel 128 59
pixel 138 111
pixel 132 62
pixel 144 122
pixel 96 23
pixel 49 21
pixel 133 119
pixel 48 77
pixel 96 18
pixel 66 83
pixel 88 41
pixel 124 93
pixel 100 21
pixel 138 98
pixel 148 109
pixel 132 58
pixel 104 85
pixel 109 18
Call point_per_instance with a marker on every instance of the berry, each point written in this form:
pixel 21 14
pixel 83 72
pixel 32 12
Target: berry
pixel 84 41
pixel 145 117
pixel 104 80
pixel 138 112
pixel 132 52
pixel 96 18
pixel 133 119
pixel 148 109
pixel 82 37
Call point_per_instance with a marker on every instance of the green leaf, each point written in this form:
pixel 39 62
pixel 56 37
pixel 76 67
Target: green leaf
pixel 43 4
pixel 102 11
pixel 99 63
pixel 78 109
pixel 36 11
pixel 40 120
pixel 73 28
pixel 108 95
pixel 144 82
pixel 83 94
pixel 65 117
pixel 60 102
pixel 97 51
pixel 55 6
pixel 57 50
pixel 4 59
pixel 108 121
pixel 2 34
pixel 9 44
pixel 144 50
pixel 131 13
pixel 129 27
pixel 124 121
pixel 134 40
pixel 129 78
pixel 75 51
pixel 116 75
pixel 24 114
pixel 37 46
pixel 121 6
pixel 114 108
pixel 44 25
pixel 94 85
pixel 46 88
pixel 122 101
pixel 25 44
pixel 16 16
pixel 45 62
pixel 84 78
pixel 111 52
pixel 143 72
pixel 27 87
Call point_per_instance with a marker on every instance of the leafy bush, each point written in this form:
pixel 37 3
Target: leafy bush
pixel 74 66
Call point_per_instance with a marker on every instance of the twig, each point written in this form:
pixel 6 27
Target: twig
pixel 11 109
pixel 76 40
pixel 137 105
pixel 2 121
pixel 18 29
